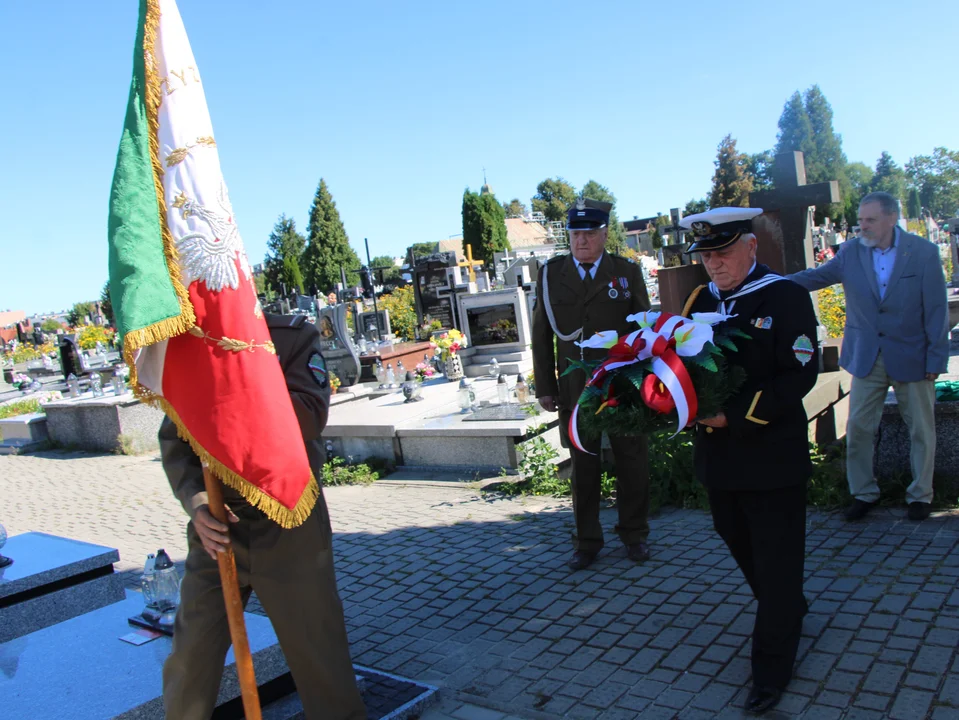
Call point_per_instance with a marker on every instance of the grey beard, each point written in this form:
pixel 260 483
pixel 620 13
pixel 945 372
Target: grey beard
pixel 868 242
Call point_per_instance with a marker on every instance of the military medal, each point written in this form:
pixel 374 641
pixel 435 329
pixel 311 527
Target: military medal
pixel 613 294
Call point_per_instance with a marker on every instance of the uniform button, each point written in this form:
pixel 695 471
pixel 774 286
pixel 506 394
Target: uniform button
pixel 708 429
pixel 881 335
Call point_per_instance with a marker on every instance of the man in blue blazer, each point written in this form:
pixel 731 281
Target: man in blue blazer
pixel 896 334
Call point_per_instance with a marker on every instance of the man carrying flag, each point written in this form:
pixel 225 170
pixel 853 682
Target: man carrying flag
pixel 198 346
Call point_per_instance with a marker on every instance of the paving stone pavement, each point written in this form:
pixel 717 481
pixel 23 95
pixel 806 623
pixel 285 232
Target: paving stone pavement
pixel 445 586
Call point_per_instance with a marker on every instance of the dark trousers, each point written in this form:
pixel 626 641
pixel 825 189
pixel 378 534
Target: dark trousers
pixel 631 454
pixel 292 574
pixel 766 534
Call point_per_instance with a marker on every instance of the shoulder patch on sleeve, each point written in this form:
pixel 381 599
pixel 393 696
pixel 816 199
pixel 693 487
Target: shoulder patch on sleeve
pixel 317 367
pixel 803 349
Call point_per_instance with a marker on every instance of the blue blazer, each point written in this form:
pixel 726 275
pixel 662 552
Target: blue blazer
pixel 910 325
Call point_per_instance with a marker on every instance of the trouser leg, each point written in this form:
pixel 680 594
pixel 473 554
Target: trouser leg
pixel 201 635
pixel 866 399
pixel 632 487
pixel 585 482
pixel 730 522
pixel 777 524
pixel 917 403
pixel 293 575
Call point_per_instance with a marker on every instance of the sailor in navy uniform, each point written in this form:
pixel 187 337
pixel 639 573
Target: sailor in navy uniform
pixel 753 457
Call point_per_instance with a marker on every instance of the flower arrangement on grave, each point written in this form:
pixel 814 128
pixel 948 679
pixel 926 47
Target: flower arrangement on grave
pixel 503 331
pixel 450 343
pixel 424 372
pixel 661 377
pixel 335 383
pixel 21 381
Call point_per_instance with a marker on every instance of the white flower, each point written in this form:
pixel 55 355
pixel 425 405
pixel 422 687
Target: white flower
pixel 644 319
pixel 691 338
pixel 604 339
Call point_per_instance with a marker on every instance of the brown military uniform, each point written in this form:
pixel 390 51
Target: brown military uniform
pixel 601 304
pixel 290 570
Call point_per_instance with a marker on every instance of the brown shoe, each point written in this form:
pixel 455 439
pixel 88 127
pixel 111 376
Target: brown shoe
pixel 639 552
pixel 581 559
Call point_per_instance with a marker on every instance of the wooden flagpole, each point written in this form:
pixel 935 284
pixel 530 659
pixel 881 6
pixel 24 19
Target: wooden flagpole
pixel 234 604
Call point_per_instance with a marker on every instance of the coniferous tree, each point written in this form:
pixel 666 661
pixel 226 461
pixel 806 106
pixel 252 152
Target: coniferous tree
pixel 328 247
pixel 284 250
pixel 484 226
pixel 914 206
pixel 732 182
pixel 889 177
pixel 827 160
pixel 553 198
pixel 616 235
pixel 795 128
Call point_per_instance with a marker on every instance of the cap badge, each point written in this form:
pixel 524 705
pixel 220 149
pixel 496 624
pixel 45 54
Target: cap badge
pixel 701 228
pixel 580 203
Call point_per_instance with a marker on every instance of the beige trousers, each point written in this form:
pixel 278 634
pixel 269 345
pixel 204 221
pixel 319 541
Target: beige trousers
pixel 917 402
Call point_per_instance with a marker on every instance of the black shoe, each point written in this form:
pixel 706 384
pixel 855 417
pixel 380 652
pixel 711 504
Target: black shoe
pixel 919 511
pixel 581 560
pixel 858 509
pixel 639 551
pixel 762 699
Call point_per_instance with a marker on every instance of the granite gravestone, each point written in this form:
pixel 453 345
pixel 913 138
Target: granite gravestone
pixel 493 325
pixel 784 229
pixel 53 579
pixel 337 345
pixel 71 357
pixel 432 290
pixel 374 326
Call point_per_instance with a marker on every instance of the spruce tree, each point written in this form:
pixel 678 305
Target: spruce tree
pixel 795 128
pixel 484 226
pixel 889 177
pixel 732 183
pixel 284 250
pixel 826 161
pixel 328 247
pixel 616 235
pixel 514 208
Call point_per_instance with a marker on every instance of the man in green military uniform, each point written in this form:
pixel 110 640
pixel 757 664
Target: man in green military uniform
pixel 290 570
pixel 579 294
pixel 753 457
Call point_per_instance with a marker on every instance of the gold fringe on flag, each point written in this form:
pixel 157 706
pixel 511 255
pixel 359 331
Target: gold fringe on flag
pixel 170 327
pixel 269 506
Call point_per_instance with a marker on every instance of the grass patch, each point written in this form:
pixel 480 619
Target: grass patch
pixel 338 471
pixel 20 407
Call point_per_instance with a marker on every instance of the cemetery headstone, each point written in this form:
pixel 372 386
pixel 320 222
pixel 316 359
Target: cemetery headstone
pixel 373 325
pixel 432 289
pixel 336 344
pixel 71 357
pixel 786 207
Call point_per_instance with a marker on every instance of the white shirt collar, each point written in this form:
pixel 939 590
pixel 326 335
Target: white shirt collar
pixel 592 271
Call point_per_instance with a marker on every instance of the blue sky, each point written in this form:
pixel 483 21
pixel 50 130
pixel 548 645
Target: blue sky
pixel 400 106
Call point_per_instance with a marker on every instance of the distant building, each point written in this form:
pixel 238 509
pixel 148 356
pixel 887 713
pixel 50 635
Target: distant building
pixel 11 318
pixel 639 234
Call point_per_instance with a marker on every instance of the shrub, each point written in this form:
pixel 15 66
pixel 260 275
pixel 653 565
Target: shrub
pixel 402 309
pixel 90 335
pixel 832 310
pixel 338 471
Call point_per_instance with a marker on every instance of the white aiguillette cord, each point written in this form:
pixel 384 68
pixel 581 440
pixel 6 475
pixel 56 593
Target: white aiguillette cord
pixel 552 318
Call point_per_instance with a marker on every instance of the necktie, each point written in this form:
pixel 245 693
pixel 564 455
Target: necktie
pixel 587 276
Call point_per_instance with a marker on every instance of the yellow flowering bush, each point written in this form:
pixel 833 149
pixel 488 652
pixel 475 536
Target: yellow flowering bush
pixel 90 335
pixel 402 309
pixel 832 310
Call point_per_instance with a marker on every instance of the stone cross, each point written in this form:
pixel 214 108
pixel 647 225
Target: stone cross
pixel 792 198
pixel 470 263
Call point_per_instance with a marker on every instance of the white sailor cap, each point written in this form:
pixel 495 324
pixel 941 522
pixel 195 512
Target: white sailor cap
pixel 719 227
